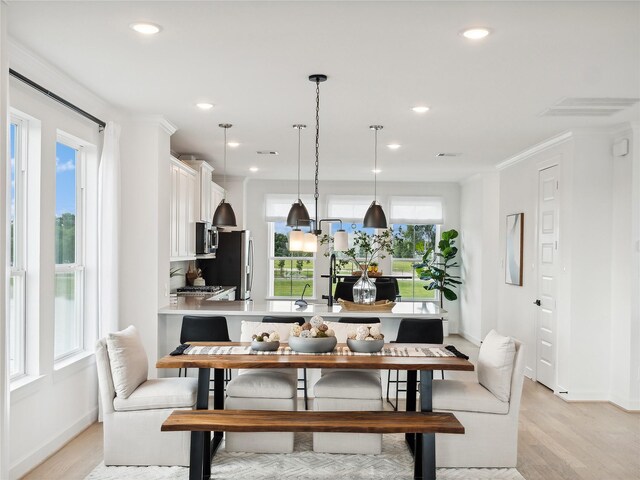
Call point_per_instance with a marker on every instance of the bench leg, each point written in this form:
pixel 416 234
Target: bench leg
pixel 425 447
pixel 218 404
pixel 198 445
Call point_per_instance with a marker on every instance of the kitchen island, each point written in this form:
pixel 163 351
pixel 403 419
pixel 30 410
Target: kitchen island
pixel 170 316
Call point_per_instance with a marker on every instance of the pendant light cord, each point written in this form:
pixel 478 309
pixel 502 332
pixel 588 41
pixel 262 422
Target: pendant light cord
pixel 225 164
pixel 375 167
pixel 299 128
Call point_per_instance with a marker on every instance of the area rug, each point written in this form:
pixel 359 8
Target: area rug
pixel 395 462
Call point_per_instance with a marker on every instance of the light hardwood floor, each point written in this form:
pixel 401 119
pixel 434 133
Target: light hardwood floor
pixel 557 440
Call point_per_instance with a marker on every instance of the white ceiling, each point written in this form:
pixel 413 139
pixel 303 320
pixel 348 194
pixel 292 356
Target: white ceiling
pixel 252 60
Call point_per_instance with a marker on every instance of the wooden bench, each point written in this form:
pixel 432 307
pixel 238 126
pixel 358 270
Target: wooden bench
pixel 310 421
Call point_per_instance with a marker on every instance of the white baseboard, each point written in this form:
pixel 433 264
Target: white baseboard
pixel 625 403
pixel 29 462
pixel 471 338
pixel 585 396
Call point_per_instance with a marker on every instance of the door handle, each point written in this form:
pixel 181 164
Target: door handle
pixel 537 302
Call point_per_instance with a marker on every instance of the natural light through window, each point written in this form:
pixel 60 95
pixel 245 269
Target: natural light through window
pixel 16 290
pixel 289 271
pixel 69 278
pixel 408 248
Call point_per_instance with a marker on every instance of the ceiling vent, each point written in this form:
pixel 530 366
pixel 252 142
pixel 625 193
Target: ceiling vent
pixel 588 107
pixel 267 152
pixel 447 154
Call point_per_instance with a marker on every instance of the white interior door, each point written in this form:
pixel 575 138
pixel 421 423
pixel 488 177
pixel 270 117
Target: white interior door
pixel 548 261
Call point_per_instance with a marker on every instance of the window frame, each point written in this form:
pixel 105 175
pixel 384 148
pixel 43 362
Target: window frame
pixel 78 267
pixel 271 268
pixel 17 271
pixel 392 258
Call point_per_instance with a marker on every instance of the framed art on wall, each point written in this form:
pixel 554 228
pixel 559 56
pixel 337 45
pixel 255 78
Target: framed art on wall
pixel 513 264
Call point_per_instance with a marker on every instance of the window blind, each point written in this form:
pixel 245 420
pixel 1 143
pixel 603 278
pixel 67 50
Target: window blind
pixel 349 208
pixel 277 206
pixel 416 210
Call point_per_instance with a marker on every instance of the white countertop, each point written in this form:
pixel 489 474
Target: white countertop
pixel 191 305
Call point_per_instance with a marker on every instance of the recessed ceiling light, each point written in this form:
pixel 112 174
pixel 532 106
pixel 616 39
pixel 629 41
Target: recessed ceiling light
pixel 393 146
pixel 475 33
pixel 253 169
pixel 204 106
pixel 233 144
pixel 377 170
pixel 267 152
pixel 420 109
pixel 145 28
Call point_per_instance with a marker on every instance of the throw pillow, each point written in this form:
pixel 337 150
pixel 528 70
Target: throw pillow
pixel 495 364
pixel 129 364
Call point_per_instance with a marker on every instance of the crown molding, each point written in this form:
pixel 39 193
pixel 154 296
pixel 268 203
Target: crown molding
pixel 159 120
pixel 41 71
pixel 540 147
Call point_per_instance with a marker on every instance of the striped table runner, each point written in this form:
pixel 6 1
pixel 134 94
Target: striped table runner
pixel 340 350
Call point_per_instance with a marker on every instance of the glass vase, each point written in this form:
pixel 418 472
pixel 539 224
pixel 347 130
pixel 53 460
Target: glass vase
pixel 364 290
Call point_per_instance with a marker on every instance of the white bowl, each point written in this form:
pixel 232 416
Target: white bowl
pixel 312 345
pixel 265 346
pixel 365 346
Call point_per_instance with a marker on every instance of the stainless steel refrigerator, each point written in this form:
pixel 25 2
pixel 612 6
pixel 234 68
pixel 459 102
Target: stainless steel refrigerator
pixel 233 265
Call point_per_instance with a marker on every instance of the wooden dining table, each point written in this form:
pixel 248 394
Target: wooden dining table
pixel 422 446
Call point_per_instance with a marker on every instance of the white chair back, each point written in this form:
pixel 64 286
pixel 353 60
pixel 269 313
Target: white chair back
pixel 106 390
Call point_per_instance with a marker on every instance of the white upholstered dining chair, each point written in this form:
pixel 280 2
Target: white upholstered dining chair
pixel 134 408
pixel 487 408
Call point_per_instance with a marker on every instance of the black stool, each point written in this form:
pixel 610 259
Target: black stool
pixel 359 320
pixel 204 329
pixel 385 291
pixel 415 330
pixel 299 321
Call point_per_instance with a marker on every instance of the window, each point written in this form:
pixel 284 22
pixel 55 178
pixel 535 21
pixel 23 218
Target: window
pixel 17 254
pixel 69 252
pixel 408 248
pixel 289 271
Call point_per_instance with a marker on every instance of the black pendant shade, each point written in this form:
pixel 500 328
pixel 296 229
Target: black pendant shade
pixel 224 215
pixel 298 215
pixel 375 217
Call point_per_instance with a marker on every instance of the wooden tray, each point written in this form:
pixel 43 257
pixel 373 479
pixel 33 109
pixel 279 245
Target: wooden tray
pixel 357 273
pixel 379 306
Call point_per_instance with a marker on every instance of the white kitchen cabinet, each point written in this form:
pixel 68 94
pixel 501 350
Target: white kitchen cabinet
pixel 182 211
pixel 217 194
pixel 204 208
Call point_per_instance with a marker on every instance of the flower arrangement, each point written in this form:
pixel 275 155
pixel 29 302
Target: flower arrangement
pixel 314 328
pixel 272 336
pixel 364 332
pixel 366 249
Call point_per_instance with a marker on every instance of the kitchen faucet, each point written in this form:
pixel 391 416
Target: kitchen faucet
pixel 332 279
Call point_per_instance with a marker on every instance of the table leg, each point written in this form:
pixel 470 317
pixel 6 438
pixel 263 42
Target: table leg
pixel 425 457
pixel 218 404
pixel 197 453
pixel 412 381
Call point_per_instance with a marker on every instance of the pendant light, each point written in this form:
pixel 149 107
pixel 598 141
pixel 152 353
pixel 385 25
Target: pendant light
pixel 224 215
pixel 298 214
pixel 375 217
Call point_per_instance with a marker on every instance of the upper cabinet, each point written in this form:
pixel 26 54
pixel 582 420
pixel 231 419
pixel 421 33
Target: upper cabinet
pixel 183 210
pixel 203 194
pixel 217 194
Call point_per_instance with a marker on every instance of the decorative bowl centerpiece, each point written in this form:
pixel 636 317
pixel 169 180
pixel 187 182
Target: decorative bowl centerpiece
pixel 265 342
pixel 365 339
pixel 313 336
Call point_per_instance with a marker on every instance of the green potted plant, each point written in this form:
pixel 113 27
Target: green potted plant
pixel 435 267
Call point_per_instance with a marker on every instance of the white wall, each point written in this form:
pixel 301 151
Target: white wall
pixel 479 198
pixel 56 402
pixel 255 191
pixel 625 268
pixel 144 261
pixel 597 298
